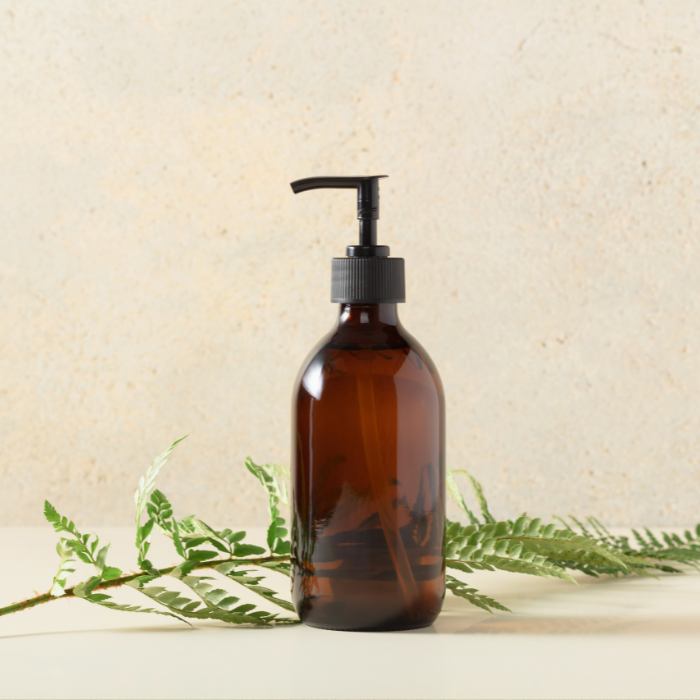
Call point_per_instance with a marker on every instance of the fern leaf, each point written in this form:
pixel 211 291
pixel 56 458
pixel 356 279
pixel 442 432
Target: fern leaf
pixel 160 511
pixel 479 493
pixel 60 523
pixel 65 569
pixel 217 602
pixel 502 553
pixel 528 546
pixel 271 476
pixel 191 533
pixel 650 554
pixel 86 589
pixel 147 484
pixel 245 579
pixel 456 494
pixel 461 589
pixel 281 567
pixel 79 547
pixel 536 566
pixel 681 555
pixel 563 544
pixel 578 548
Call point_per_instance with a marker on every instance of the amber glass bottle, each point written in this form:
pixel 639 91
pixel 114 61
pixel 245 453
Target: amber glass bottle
pixel 368 451
pixel 368 478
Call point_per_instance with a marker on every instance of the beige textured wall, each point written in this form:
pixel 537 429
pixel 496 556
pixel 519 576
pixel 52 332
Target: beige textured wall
pixel 158 277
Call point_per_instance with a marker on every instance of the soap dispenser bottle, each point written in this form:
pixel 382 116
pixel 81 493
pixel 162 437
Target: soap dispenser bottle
pixel 368 450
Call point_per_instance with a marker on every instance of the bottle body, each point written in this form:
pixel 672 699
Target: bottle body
pixel 368 478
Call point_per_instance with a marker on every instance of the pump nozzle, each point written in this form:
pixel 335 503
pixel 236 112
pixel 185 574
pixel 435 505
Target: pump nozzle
pixel 368 275
pixel 367 208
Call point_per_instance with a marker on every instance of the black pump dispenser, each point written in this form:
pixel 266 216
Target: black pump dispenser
pixel 368 275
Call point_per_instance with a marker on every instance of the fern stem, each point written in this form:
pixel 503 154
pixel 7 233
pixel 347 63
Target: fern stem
pixel 115 583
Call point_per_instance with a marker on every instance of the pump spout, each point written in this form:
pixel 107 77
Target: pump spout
pixel 367 208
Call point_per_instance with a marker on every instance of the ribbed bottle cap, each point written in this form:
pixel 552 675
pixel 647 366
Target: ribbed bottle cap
pixel 368 280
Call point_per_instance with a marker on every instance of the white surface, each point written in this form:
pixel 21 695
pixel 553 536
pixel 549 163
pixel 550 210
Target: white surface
pixel 158 277
pixel 632 638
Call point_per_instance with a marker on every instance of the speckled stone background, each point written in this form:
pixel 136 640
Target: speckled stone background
pixel 158 277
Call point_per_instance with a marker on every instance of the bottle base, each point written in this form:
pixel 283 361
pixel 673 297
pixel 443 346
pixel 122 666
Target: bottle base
pixel 383 628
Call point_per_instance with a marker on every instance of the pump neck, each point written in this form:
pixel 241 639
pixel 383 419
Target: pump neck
pixel 367 315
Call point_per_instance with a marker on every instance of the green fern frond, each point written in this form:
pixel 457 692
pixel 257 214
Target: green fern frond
pixel 86 589
pixel 527 546
pixel 453 490
pixel 472 548
pixel 86 548
pixel 530 564
pixel 251 582
pixel 214 603
pixel 272 476
pixel 651 553
pixel 479 493
pixel 147 484
pixel 60 523
pixel 461 589
pixel 281 567
pixel 66 567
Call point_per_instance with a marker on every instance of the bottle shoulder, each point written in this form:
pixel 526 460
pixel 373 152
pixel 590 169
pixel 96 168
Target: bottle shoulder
pixel 339 357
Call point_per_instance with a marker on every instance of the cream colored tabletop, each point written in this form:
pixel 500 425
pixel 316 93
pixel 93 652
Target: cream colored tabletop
pixel 631 638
